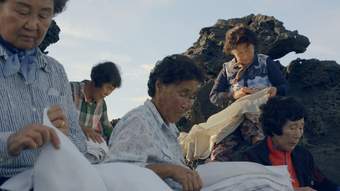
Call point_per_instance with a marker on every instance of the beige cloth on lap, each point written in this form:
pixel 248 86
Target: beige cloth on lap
pixel 198 143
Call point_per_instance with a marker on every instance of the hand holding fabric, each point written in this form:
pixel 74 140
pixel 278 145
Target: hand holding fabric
pixel 189 179
pixel 31 137
pixel 58 118
pixel 243 91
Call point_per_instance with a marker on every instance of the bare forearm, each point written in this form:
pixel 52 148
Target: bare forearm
pixel 162 170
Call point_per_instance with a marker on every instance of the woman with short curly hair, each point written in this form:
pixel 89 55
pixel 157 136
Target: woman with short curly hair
pixel 282 120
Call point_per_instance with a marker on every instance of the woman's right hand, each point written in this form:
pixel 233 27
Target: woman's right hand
pixel 189 179
pixel 304 189
pixel 93 135
pixel 31 137
pixel 243 92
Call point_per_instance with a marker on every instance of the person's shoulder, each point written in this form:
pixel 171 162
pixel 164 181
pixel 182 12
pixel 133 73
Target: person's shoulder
pixel 52 64
pixel 134 120
pixel 258 146
pixel 302 150
pixel 137 113
pixel 50 60
pixel 255 153
pixel 255 150
pixel 302 153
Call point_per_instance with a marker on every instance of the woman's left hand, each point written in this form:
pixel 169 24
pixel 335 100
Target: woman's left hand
pixel 58 118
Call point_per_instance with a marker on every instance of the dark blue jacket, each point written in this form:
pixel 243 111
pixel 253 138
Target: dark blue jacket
pixel 307 172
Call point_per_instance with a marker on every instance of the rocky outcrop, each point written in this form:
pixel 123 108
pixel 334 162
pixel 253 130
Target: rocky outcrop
pixel 316 83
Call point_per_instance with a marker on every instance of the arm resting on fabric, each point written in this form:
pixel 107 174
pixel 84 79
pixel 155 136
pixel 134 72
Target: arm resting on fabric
pixel 162 170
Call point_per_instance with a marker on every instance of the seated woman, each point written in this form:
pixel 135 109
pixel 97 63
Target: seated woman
pixel 88 96
pixel 31 81
pixel 147 135
pixel 247 73
pixel 282 120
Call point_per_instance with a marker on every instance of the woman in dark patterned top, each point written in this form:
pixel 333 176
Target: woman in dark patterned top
pixel 247 73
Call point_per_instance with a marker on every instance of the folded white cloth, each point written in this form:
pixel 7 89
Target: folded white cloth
pixel 244 176
pixel 96 152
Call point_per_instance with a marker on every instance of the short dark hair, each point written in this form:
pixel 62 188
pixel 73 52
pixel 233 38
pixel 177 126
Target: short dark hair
pixel 238 35
pixel 106 72
pixel 277 111
pixel 58 5
pixel 173 69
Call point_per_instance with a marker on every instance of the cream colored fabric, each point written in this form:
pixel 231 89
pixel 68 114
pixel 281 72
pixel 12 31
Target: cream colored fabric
pixel 198 143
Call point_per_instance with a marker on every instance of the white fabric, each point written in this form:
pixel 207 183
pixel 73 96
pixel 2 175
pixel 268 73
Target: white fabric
pixel 198 143
pixel 67 169
pixel 130 177
pixel 243 176
pixel 96 152
pixel 20 182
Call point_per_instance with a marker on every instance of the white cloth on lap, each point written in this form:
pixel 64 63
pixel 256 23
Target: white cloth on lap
pixel 130 177
pixel 244 176
pixel 68 170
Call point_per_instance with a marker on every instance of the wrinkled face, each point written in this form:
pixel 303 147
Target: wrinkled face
pixel 244 53
pixel 291 133
pixel 26 21
pixel 105 90
pixel 175 100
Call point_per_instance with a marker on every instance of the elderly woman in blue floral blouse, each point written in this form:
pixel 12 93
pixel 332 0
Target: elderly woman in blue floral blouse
pixel 147 135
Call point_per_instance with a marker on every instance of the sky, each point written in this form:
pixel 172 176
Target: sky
pixel 135 34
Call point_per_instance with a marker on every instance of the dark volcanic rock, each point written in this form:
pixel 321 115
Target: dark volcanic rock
pixel 316 83
pixel 274 40
pixel 51 37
